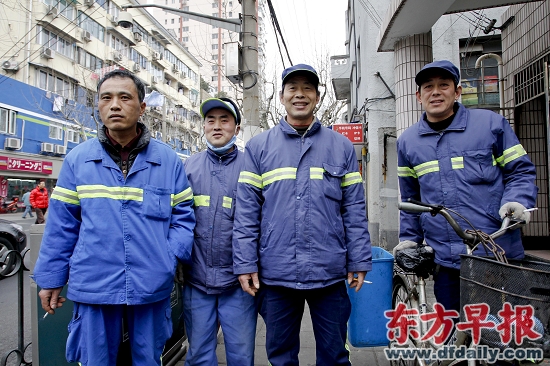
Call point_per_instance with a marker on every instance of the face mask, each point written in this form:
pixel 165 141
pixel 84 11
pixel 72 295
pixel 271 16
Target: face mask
pixel 223 149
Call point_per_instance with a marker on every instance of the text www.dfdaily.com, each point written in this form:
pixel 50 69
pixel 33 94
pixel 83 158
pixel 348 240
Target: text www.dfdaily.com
pixel 452 352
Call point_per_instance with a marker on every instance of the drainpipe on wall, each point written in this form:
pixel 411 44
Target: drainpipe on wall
pixel 500 76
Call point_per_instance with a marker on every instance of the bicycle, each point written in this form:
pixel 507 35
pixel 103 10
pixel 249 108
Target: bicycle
pixel 409 287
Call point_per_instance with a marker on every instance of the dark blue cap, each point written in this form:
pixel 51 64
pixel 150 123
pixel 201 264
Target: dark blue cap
pixel 301 69
pixel 443 66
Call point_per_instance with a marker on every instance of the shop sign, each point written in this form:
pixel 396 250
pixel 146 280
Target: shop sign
pixel 25 165
pixel 353 131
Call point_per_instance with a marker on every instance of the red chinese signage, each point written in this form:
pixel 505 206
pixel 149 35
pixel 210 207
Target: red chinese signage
pixel 353 131
pixel 25 165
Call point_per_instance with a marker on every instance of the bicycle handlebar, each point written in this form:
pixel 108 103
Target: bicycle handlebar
pixel 418 207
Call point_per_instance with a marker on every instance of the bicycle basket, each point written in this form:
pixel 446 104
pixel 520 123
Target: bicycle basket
pixel 520 282
pixel 419 260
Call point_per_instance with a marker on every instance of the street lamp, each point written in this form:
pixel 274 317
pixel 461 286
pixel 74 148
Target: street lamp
pixel 234 25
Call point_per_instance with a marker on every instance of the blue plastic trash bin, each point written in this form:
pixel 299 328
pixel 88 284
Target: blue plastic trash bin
pixel 367 323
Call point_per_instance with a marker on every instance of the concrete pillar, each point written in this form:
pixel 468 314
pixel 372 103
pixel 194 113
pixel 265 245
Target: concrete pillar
pixel 410 54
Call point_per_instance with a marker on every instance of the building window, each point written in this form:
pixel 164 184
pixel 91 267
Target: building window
pixel 65 8
pixel 73 136
pixel 214 57
pixel 185 8
pixel 86 23
pixel 185 39
pixel 214 46
pixel 214 67
pixel 185 29
pixel 56 42
pixel 7 121
pixel 172 20
pixel 214 5
pixel 214 35
pixel 56 132
pixel 165 21
pixel 214 78
pixel 55 84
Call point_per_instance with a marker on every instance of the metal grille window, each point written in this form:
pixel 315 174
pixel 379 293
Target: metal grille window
pixel 529 82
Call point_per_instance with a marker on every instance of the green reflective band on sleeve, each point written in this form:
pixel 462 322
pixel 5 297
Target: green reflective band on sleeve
pixel 405 171
pixel 201 201
pixel 278 174
pixel 458 162
pixel 227 202
pixel 494 160
pixel 115 193
pixel 251 178
pixel 316 173
pixel 65 195
pixel 184 195
pixel 427 167
pixel 511 154
pixel 351 178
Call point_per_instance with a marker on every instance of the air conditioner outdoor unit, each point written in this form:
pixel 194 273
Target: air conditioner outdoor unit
pixel 46 147
pixel 89 2
pixel 137 68
pixel 12 143
pixel 52 10
pixel 155 79
pixel 48 53
pixel 114 20
pixel 175 68
pixel 117 56
pixel 86 36
pixel 10 65
pixel 156 56
pixel 137 36
pixel 60 149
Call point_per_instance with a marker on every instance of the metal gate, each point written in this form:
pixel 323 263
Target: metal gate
pixel 531 93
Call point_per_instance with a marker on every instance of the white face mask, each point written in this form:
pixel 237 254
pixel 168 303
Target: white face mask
pixel 223 149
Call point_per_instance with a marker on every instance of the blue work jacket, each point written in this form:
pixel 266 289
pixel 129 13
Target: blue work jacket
pixel 474 167
pixel 300 219
pixel 213 179
pixel 117 240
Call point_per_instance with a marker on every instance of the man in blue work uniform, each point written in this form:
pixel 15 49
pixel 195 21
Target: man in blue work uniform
pixel 120 218
pixel 301 227
pixel 465 159
pixel 212 293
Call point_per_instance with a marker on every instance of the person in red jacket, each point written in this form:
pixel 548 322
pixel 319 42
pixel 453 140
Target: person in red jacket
pixel 39 201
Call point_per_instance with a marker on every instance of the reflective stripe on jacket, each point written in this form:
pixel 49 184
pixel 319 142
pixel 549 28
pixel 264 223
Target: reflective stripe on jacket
pixel 214 182
pixel 474 166
pixel 117 239
pixel 300 220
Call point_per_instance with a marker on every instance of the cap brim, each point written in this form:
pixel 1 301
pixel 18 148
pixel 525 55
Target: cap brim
pixel 425 74
pixel 210 104
pixel 307 73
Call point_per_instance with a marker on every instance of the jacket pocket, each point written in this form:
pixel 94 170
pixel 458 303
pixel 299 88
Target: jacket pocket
pixel 332 181
pixel 157 202
pixel 76 340
pixel 480 166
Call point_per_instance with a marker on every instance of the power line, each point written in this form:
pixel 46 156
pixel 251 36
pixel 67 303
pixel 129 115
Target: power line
pixel 278 28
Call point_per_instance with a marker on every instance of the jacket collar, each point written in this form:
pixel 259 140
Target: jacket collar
pixel 98 152
pixel 459 122
pixel 225 158
pixel 289 130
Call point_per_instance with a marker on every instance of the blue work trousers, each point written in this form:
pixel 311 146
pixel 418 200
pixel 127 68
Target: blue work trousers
pixel 282 310
pixel 235 311
pixel 95 333
pixel 447 288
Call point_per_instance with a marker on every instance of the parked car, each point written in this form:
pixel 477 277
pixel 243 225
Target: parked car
pixel 12 237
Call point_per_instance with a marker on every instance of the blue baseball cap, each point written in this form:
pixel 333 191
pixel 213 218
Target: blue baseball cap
pixel 301 69
pixel 443 66
pixel 223 103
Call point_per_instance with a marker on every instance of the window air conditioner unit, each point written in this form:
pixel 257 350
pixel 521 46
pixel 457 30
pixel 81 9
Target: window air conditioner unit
pixel 155 79
pixel 52 10
pixel 117 56
pixel 10 65
pixel 137 36
pixel 48 53
pixel 156 56
pixel 89 2
pixel 86 36
pixel 12 143
pixel 136 68
pixel 60 149
pixel 46 147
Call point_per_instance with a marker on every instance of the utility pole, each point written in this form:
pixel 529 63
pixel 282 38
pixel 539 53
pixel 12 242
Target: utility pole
pixel 251 78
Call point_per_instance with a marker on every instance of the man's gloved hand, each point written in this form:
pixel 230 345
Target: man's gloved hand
pixel 516 210
pixel 405 244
